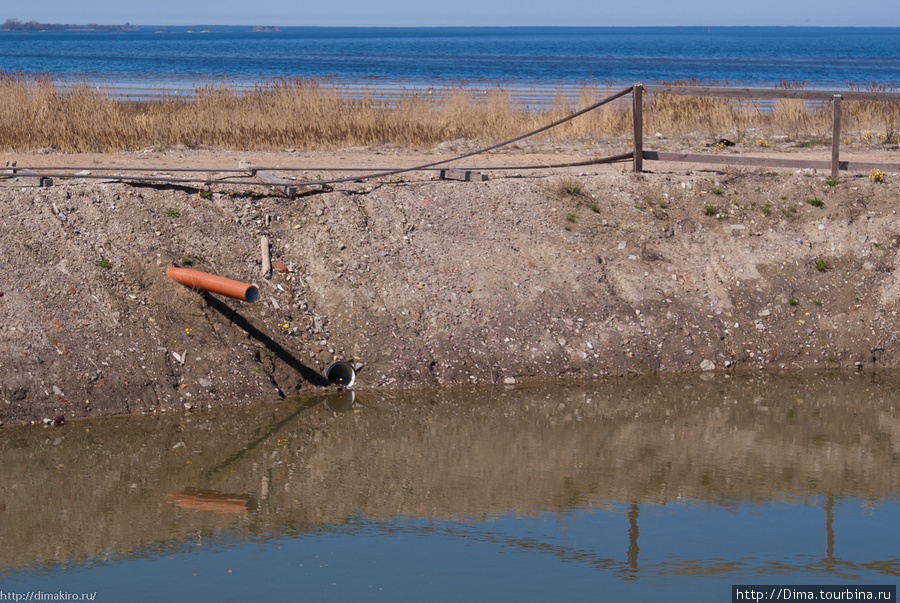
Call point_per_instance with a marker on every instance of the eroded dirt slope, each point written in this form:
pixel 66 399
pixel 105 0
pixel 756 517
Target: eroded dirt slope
pixel 428 283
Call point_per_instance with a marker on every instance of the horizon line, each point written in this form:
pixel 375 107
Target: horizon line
pixel 130 24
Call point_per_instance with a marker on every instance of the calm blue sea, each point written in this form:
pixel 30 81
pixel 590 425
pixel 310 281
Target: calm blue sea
pixel 516 57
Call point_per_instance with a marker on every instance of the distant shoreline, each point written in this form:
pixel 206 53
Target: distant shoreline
pixel 231 27
pixel 16 25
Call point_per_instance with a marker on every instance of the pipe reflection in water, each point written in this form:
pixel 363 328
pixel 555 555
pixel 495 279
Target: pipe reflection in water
pixel 342 401
pixel 217 502
pixel 670 460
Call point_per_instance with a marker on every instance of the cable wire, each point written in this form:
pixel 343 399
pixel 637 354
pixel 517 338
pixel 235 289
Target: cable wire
pixel 378 174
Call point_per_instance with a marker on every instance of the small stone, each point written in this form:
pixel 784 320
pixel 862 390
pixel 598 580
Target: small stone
pixel 188 406
pixel 707 365
pixel 510 381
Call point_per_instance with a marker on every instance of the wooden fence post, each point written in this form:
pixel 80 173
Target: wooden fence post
pixel 836 137
pixel 637 98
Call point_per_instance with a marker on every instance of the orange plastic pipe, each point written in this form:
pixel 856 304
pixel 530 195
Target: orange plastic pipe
pixel 215 284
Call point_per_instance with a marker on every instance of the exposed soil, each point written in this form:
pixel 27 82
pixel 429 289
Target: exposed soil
pixel 564 274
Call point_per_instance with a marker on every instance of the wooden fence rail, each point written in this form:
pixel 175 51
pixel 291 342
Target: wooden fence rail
pixel 836 99
pixel 773 93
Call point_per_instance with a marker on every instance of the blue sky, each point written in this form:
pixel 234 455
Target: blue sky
pixel 859 13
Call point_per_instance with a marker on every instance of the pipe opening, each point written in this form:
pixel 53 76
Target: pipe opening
pixel 340 373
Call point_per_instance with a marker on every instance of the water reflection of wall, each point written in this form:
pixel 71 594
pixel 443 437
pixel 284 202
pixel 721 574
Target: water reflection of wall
pixel 115 486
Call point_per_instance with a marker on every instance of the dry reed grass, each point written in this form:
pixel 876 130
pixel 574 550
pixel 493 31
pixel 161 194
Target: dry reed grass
pixel 308 114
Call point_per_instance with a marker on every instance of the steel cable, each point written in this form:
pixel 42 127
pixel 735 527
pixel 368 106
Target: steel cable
pixel 378 174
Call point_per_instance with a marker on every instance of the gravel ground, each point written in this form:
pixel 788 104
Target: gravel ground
pixel 532 275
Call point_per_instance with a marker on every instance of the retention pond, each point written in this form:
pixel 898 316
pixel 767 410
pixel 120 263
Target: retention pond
pixel 629 490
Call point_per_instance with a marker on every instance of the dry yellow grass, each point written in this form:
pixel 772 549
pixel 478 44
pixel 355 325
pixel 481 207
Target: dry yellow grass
pixel 308 114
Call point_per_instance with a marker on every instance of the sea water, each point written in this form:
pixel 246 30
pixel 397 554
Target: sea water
pixel 515 57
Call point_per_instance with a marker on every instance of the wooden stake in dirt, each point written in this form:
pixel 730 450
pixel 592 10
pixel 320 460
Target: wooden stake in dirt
pixel 836 137
pixel 637 113
pixel 266 259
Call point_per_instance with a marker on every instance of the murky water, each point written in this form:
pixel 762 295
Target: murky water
pixel 630 491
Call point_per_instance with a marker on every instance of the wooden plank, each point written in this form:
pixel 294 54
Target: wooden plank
pixel 773 162
pixel 637 113
pixel 773 93
pixel 464 175
pixel 865 166
pixel 836 137
pixel 30 176
pixel 289 190
pixel 714 159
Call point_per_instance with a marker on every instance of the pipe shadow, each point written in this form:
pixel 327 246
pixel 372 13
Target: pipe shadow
pixel 242 323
